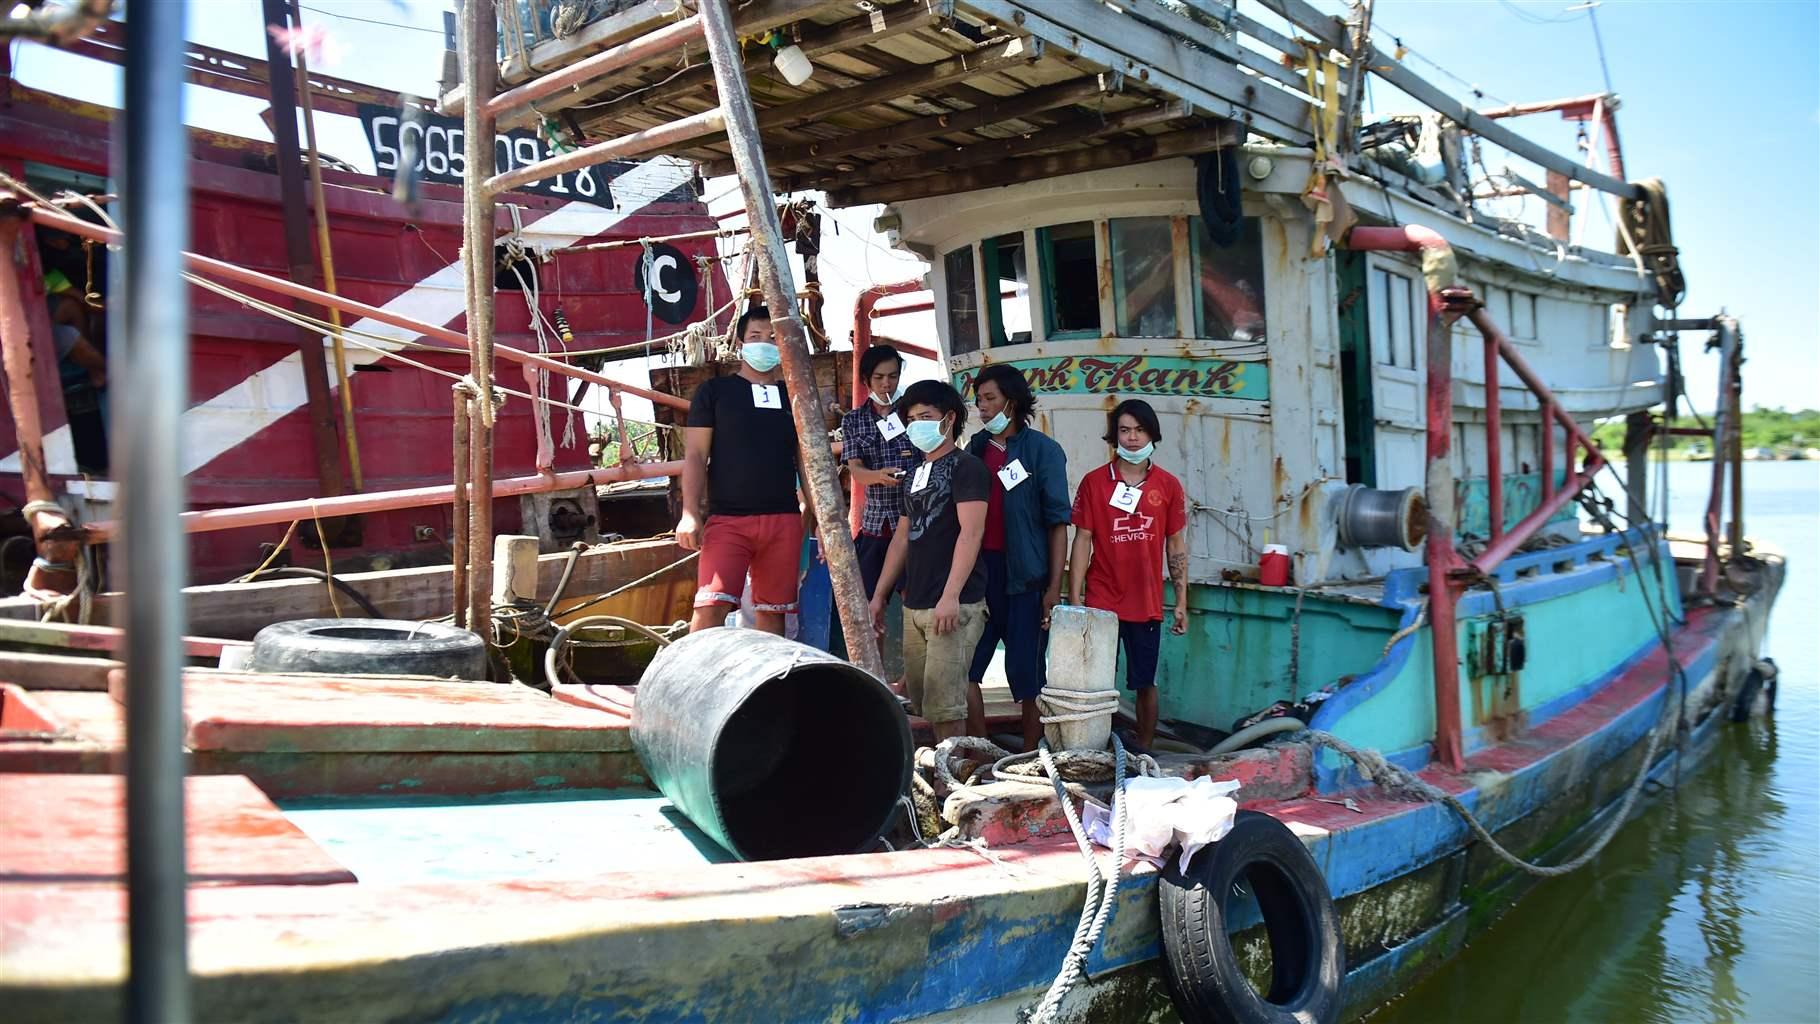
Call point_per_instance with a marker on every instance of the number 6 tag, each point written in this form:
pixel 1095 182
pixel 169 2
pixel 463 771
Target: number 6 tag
pixel 1125 497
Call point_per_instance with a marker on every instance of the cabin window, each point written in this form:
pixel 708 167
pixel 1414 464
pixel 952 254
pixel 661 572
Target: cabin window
pixel 1522 315
pixel 1229 283
pixel 1392 298
pixel 1008 304
pixel 1071 290
pixel 963 301
pixel 1143 278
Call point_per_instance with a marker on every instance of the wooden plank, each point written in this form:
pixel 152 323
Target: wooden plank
pixel 28 632
pixel 1080 90
pixel 816 41
pixel 1016 53
pixel 1331 32
pixel 1106 37
pixel 55 671
pixel 1118 154
pixel 1170 21
pixel 1071 132
pixel 71 830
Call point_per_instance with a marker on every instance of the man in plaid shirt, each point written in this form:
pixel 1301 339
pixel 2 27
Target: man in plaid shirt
pixel 878 453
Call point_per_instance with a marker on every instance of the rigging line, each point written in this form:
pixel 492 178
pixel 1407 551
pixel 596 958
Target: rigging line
pixel 354 337
pixel 372 21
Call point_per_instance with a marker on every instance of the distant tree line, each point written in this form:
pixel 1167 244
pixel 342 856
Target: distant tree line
pixel 1763 428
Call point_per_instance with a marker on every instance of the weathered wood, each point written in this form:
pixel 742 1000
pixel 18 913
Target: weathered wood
pixel 26 631
pixel 1331 32
pixel 238 610
pixel 1071 132
pixel 514 569
pixel 816 41
pixel 1104 36
pixel 1050 97
pixel 1147 148
pixel 1014 54
pixel 56 671
pixel 1169 21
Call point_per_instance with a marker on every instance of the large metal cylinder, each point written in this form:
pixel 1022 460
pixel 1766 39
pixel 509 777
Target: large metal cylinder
pixel 1372 518
pixel 772 748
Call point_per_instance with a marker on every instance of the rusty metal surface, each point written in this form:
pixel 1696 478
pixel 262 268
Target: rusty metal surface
pixel 479 31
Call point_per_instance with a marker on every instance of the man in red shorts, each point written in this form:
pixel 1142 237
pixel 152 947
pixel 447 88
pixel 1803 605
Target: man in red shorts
pixel 740 449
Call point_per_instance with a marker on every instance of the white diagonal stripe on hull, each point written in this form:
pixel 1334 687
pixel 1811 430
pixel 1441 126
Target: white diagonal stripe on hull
pixel 231 418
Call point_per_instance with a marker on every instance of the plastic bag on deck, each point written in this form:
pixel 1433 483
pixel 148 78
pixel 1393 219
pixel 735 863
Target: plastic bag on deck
pixel 1167 812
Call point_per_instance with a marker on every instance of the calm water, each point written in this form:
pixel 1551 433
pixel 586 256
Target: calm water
pixel 1706 907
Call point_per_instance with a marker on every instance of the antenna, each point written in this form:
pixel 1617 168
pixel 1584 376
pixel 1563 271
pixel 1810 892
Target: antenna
pixel 1591 7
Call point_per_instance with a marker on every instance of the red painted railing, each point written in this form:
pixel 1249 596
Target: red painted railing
pixel 1448 574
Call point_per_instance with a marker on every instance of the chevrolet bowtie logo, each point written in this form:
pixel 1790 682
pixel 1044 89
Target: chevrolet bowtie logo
pixel 1135 522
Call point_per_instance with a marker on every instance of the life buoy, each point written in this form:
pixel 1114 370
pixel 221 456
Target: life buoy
pixel 1307 956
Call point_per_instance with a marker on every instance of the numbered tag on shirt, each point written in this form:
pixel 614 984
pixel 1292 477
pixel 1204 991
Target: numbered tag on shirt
pixel 920 478
pixel 890 427
pixel 765 396
pixel 1012 474
pixel 1125 497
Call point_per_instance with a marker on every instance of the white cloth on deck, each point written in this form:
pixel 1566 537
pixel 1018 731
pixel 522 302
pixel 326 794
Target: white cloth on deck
pixel 1165 812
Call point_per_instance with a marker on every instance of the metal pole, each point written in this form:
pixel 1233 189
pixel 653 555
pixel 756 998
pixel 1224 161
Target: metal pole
pixel 1722 451
pixel 1734 390
pixel 462 515
pixel 1442 518
pixel 152 325
pixel 480 70
pixel 1494 440
pixel 818 471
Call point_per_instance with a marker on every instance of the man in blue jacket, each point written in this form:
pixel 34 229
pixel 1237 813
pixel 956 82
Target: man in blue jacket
pixel 1025 543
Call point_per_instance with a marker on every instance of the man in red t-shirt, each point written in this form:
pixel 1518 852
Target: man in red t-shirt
pixel 1126 514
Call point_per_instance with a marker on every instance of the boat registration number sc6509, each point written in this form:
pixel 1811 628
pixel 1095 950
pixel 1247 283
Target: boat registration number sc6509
pixel 436 146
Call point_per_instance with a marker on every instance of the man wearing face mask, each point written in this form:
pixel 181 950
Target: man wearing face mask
pixel 876 444
pixel 740 449
pixel 1026 541
pixel 1127 514
pixel 936 546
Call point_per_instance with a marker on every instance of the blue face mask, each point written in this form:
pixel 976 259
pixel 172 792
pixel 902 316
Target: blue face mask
pixel 997 424
pixel 760 355
pixel 927 435
pixel 1138 456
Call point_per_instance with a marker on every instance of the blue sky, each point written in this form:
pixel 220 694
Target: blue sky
pixel 1720 100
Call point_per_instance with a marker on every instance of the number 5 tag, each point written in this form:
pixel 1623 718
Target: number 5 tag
pixel 1125 497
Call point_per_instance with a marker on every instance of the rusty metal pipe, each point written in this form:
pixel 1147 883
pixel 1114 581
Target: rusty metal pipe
pixel 818 471
pixel 1443 590
pixel 279 512
pixel 670 133
pixel 480 71
pixel 1494 441
pixel 279 286
pixel 652 44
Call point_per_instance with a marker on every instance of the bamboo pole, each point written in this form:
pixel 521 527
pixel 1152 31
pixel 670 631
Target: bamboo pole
pixel 327 255
pixel 479 31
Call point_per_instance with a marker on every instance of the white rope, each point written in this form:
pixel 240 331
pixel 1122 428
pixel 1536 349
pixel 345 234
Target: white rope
pixel 1076 705
pixel 1101 891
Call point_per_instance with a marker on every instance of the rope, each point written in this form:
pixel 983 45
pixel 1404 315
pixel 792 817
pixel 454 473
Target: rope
pixel 1076 705
pixel 1101 891
pixel 561 639
pixel 646 578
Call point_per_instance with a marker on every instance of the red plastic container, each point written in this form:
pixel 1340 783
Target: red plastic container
pixel 1273 568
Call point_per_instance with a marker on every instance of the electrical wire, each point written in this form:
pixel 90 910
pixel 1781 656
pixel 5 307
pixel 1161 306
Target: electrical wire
pixel 371 21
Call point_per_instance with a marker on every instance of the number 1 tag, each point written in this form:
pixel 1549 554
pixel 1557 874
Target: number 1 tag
pixel 920 478
pixel 1125 497
pixel 890 427
pixel 765 396
pixel 1012 474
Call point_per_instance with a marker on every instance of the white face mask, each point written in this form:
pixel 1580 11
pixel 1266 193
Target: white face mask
pixel 886 400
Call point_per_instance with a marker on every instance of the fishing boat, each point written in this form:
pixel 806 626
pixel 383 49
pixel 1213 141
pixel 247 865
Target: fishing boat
pixel 1487 650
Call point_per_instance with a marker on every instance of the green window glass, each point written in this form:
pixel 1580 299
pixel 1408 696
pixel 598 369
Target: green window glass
pixel 963 301
pixel 1229 283
pixel 1071 291
pixel 1143 278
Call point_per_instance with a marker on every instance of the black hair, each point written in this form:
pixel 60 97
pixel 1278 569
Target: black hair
pixel 939 395
pixel 875 355
pixel 1013 386
pixel 756 312
pixel 1139 410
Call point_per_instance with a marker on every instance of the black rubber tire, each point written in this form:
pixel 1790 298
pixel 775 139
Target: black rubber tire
pixel 1308 957
pixel 369 647
pixel 1747 696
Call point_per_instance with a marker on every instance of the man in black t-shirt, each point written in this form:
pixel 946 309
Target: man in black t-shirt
pixel 741 447
pixel 936 546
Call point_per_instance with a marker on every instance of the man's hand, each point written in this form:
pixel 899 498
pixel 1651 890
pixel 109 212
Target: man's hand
pixel 688 532
pixel 876 477
pixel 1051 598
pixel 1180 625
pixel 947 615
pixel 878 615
